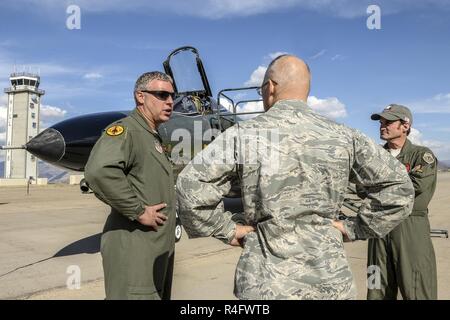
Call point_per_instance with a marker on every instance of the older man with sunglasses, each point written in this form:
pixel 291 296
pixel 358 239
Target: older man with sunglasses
pixel 129 171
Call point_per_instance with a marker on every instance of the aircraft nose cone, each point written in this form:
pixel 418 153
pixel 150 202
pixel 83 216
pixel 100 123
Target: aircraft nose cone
pixel 49 145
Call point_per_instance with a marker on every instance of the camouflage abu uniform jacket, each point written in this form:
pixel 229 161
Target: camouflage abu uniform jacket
pixel 296 166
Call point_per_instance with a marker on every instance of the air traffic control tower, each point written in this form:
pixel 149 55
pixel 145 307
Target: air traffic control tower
pixel 24 101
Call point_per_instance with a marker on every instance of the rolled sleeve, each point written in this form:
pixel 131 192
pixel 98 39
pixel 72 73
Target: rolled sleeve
pixel 201 187
pixel 388 191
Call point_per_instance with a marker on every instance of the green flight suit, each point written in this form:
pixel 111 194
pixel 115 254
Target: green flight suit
pixel 127 169
pixel 406 255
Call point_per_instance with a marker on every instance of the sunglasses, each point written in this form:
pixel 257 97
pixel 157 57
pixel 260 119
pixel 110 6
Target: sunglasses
pixel 161 95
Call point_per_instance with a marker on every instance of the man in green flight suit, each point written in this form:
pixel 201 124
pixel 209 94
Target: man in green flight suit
pixel 128 170
pixel 405 257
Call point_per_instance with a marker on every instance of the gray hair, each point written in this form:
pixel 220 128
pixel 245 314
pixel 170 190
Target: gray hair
pixel 145 78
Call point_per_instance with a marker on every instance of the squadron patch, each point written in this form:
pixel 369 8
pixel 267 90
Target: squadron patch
pixel 428 158
pixel 158 147
pixel 115 130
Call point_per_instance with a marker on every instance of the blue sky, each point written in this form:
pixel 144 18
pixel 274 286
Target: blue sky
pixel 356 71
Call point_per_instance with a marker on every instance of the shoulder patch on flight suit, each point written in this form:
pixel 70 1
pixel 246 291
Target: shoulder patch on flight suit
pixel 428 158
pixel 115 130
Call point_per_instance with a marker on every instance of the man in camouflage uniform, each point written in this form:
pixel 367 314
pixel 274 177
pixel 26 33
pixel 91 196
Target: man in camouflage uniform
pixel 128 170
pixel 406 255
pixel 293 186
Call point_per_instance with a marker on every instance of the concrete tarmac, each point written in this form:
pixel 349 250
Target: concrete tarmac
pixel 49 236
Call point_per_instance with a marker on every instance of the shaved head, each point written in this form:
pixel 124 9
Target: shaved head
pixel 290 79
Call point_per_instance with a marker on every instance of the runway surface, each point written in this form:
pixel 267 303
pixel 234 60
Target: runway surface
pixel 49 235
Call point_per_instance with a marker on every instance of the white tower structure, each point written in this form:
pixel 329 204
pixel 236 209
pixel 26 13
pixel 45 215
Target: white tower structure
pixel 24 100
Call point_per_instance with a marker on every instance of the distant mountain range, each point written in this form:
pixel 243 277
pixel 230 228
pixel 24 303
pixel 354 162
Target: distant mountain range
pixel 444 164
pixel 45 170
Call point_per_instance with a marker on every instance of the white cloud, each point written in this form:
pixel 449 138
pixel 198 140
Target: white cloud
pixel 257 77
pixel 415 136
pixel 329 107
pixel 246 107
pixel 3 112
pixel 440 149
pixel 440 103
pixel 47 113
pixel 49 70
pixel 226 104
pixel 2 138
pixel 59 79
pixel 251 107
pixel 51 112
pixel 337 57
pixel 318 54
pixel 215 9
pixel 92 76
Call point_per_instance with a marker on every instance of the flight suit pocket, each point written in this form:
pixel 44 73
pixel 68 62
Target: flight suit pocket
pixel 143 293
